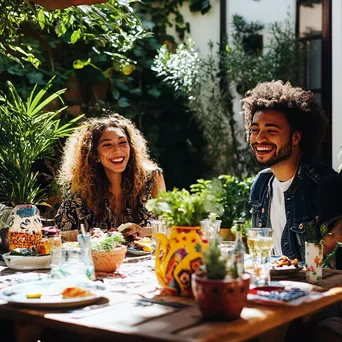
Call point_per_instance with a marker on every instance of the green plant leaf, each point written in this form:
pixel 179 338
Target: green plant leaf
pixel 76 35
pixel 78 64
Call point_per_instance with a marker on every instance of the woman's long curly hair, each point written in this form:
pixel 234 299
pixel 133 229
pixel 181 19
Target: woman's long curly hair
pixel 81 173
pixel 301 108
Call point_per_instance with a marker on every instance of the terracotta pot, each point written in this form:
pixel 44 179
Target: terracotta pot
pixel 109 261
pixel 220 300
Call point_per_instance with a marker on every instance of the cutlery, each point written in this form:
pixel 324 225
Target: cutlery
pixel 150 301
pixel 90 310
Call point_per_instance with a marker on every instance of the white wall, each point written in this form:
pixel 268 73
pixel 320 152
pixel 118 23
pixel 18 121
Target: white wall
pixel 265 11
pixel 336 81
pixel 203 28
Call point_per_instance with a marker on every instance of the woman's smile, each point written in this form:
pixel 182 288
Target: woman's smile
pixel 113 150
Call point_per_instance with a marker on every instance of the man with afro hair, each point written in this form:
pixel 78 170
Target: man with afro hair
pixel 285 127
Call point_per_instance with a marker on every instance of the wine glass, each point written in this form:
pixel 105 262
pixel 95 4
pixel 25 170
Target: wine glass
pixel 260 244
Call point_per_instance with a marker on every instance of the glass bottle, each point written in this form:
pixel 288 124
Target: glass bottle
pixel 239 250
pixel 84 241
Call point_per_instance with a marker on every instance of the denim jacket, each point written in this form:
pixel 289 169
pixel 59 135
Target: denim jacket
pixel 301 205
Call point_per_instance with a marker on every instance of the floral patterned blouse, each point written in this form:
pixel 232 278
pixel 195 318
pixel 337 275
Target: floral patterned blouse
pixel 74 211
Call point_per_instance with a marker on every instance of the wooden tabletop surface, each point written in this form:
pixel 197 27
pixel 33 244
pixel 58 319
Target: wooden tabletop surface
pixel 127 318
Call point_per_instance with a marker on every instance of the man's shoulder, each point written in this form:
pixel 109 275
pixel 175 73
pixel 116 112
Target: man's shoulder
pixel 318 172
pixel 263 175
pixel 260 183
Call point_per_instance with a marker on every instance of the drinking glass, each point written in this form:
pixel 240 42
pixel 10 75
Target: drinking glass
pixel 211 229
pixel 68 262
pixel 158 226
pixel 260 244
pixel 226 248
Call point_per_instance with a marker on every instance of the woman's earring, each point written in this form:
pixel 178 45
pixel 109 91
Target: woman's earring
pixel 97 159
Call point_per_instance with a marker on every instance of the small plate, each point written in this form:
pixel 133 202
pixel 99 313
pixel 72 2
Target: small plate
pixel 285 270
pixel 19 262
pixel 138 252
pixel 51 297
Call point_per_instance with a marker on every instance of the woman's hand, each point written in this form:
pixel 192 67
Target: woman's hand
pixel 130 229
pixel 69 235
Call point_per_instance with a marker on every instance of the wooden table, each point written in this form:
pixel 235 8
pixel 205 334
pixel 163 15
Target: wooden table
pixel 126 320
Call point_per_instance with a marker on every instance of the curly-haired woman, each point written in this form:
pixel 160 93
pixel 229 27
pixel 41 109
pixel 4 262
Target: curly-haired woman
pixel 107 176
pixel 285 126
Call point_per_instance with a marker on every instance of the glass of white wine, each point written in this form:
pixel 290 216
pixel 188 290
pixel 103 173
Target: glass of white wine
pixel 260 244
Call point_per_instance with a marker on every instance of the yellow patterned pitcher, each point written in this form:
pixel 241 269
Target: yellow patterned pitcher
pixel 177 257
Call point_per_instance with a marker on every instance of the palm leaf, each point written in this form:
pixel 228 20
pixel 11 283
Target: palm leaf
pixel 27 134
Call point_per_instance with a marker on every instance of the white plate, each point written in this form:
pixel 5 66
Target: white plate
pixel 51 297
pixel 285 270
pixel 19 262
pixel 138 252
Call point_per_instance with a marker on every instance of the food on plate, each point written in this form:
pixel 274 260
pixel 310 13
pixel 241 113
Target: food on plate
pixel 144 244
pixel 75 292
pixel 124 228
pixel 33 295
pixel 285 262
pixel 24 227
pixel 23 252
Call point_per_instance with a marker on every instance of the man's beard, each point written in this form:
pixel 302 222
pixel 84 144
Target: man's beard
pixel 282 155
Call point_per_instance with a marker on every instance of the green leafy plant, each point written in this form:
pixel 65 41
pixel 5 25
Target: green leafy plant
pixel 247 224
pixel 230 191
pixel 107 243
pixel 315 235
pixel 28 133
pixel 181 208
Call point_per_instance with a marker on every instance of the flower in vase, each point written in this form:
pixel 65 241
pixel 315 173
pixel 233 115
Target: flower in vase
pixel 317 261
pixel 311 269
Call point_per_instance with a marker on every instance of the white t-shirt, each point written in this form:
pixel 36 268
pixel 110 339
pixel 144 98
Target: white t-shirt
pixel 277 214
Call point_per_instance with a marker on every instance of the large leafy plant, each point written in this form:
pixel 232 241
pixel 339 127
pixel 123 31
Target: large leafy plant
pixel 182 208
pixel 28 133
pixel 230 191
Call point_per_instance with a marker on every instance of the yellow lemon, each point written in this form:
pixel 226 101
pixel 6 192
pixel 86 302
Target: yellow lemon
pixel 33 295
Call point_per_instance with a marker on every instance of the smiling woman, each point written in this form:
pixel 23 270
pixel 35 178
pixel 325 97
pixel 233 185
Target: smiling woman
pixel 107 176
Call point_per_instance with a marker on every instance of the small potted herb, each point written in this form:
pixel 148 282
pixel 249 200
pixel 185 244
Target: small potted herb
pixel 107 251
pixel 219 291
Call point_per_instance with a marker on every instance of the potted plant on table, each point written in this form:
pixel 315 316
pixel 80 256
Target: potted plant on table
pixel 180 252
pixel 219 290
pixel 29 133
pixel 108 251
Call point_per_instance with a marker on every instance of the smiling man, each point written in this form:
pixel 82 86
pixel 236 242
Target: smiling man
pixel 285 127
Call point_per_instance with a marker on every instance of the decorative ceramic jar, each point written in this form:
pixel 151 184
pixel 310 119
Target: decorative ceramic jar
pixel 313 261
pixel 178 256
